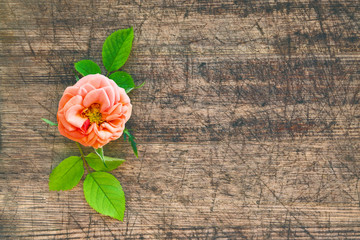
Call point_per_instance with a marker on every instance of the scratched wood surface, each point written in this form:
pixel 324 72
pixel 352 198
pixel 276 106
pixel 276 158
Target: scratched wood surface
pixel 248 125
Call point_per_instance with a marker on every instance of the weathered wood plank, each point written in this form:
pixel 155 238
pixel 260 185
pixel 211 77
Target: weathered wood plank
pixel 248 125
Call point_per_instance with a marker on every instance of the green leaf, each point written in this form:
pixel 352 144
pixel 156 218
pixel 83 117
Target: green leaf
pixel 117 48
pixel 49 122
pixel 100 153
pixel 76 75
pixel 132 142
pixel 86 67
pixel 140 86
pixel 96 163
pixel 123 80
pixel 104 193
pixel 133 145
pixel 67 174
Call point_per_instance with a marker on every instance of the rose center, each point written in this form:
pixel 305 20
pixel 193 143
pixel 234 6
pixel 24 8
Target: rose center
pixel 93 113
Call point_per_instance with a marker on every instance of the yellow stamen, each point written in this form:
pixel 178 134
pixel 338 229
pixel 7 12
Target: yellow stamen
pixel 93 113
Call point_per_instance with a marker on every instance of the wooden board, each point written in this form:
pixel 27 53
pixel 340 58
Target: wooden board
pixel 248 125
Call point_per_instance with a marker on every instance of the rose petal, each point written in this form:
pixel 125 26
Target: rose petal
pixel 65 98
pixel 73 135
pixel 116 90
pixel 73 116
pixel 102 134
pixel 88 87
pixel 75 100
pixel 124 98
pixel 65 124
pixel 111 94
pixel 127 111
pixel 97 96
pixel 72 90
pixel 85 126
pixel 92 79
pixel 112 128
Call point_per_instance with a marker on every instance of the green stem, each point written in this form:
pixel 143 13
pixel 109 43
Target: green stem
pixel 83 157
pixel 107 74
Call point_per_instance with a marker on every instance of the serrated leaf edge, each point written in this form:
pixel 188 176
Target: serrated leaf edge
pixel 79 159
pixel 90 174
pixel 75 64
pixel 131 31
pixel 108 169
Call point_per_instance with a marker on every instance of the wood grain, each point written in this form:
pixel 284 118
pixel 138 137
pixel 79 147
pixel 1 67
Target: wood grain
pixel 248 125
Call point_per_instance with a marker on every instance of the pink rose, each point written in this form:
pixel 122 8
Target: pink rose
pixel 93 111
